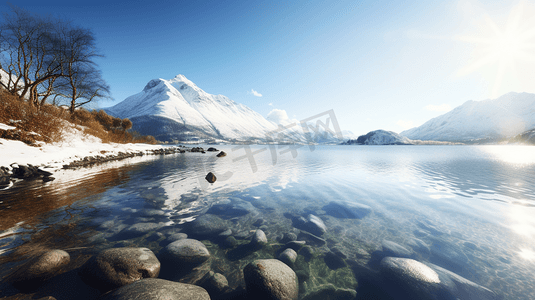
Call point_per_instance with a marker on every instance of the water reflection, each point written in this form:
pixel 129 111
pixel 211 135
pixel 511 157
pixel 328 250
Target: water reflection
pixel 462 208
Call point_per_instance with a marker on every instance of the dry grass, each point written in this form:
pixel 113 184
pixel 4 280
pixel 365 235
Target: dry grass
pixel 47 123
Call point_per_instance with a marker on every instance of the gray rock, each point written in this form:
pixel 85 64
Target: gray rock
pixel 206 224
pixel 270 279
pixel 288 256
pixel 157 289
pixel 314 225
pixel 259 238
pixel 347 210
pixel 185 252
pixel 215 283
pixel 113 268
pixel 395 250
pixel 295 245
pixel 177 236
pixel 232 207
pixel 288 237
pixel 409 279
pixel 311 239
pixel 137 230
pixel 40 269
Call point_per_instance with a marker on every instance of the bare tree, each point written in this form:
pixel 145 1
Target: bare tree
pixel 46 57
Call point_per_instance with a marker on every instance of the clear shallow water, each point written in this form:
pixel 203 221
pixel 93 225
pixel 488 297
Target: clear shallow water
pixel 472 206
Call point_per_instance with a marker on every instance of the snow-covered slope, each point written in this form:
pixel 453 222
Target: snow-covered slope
pixel 177 109
pixel 380 137
pixel 505 116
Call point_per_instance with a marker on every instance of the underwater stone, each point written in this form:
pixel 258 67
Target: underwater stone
pixel 295 245
pixel 206 224
pixel 259 238
pixel 288 256
pixel 186 251
pixel 270 279
pixel 419 246
pixel 214 283
pixel 158 289
pixel 333 261
pixel 347 210
pixel 315 225
pixel 409 279
pixel 311 239
pixel 40 269
pixel 394 249
pixel 288 237
pixel 113 268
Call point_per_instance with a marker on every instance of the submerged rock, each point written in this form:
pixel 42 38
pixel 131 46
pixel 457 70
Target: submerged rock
pixel 405 278
pixel 232 207
pixel 288 256
pixel 185 252
pixel 270 279
pixel 40 269
pixel 215 283
pixel 207 224
pixel 158 289
pixel 394 249
pixel 113 268
pixel 312 224
pixel 347 210
pixel 259 238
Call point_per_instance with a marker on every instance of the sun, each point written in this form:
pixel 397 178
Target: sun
pixel 502 50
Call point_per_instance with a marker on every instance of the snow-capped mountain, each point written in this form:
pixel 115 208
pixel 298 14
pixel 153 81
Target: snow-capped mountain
pixel 177 109
pixel 380 137
pixel 506 116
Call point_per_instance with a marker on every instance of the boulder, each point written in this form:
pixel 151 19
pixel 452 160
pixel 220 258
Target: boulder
pixel 40 269
pixel 185 252
pixel 221 154
pixel 405 278
pixel 270 279
pixel 116 267
pixel 347 210
pixel 212 149
pixel 157 289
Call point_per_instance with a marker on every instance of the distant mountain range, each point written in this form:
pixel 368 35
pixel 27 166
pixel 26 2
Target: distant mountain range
pixel 178 109
pixel 490 120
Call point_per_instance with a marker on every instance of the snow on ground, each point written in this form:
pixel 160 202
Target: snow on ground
pixel 75 146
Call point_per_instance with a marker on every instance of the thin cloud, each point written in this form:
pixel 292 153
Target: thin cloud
pixel 439 108
pixel 255 93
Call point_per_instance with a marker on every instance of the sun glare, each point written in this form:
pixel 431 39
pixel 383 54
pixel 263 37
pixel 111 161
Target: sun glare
pixel 502 49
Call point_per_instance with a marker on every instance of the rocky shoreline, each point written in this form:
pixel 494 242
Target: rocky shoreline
pixel 28 171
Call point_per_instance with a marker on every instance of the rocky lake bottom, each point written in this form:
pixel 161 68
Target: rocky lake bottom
pixel 339 222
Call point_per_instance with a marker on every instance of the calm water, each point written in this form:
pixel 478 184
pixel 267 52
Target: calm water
pixel 472 207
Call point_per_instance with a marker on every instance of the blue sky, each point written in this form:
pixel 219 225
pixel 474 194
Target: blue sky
pixel 378 64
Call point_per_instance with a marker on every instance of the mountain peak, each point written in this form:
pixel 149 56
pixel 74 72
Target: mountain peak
pixel 181 77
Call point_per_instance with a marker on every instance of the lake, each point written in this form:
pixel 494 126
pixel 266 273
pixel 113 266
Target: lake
pixel 467 209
